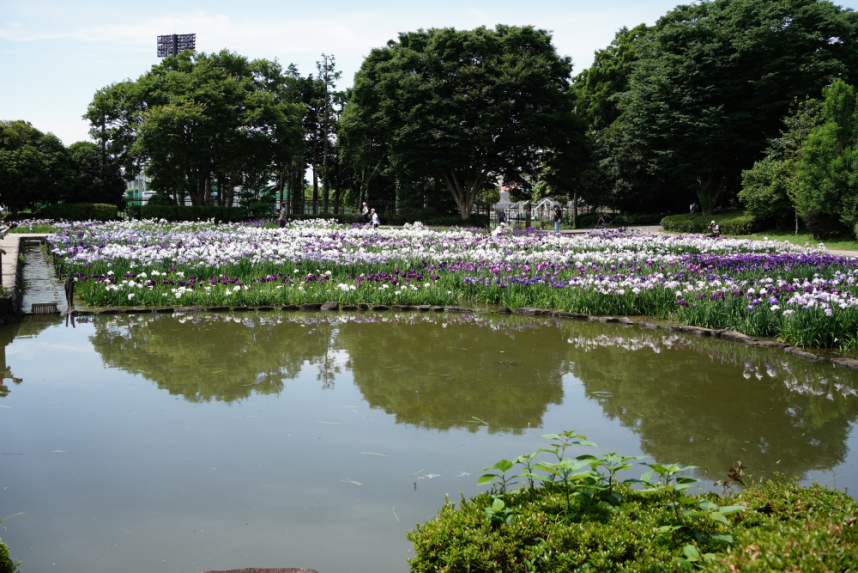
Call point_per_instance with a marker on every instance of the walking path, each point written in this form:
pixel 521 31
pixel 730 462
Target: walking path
pixel 40 282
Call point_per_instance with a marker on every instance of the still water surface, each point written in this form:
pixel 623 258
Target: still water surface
pixel 150 443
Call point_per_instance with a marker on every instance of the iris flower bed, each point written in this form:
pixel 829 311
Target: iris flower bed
pixel 762 288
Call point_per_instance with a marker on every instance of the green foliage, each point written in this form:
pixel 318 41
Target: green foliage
pixel 703 99
pixel 174 213
pixel 812 530
pixel 598 87
pixel 436 99
pixel 79 212
pixel 161 199
pixel 826 191
pixel 34 166
pixel 96 176
pixel 577 522
pixel 731 223
pixel 765 190
pixel 197 120
pixel 261 210
pixel 6 563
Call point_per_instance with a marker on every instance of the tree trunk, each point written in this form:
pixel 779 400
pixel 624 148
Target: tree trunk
pixel 315 180
pixel 464 190
pixel 575 210
pixel 711 187
pixel 338 189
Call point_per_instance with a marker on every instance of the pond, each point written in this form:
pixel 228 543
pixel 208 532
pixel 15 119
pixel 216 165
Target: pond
pixel 200 441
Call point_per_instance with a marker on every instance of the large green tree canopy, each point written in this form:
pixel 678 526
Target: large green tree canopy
pixel 465 106
pixel 97 177
pixel 34 166
pixel 715 79
pixel 199 119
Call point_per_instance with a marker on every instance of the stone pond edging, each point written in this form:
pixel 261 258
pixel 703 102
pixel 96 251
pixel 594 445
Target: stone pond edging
pixel 334 306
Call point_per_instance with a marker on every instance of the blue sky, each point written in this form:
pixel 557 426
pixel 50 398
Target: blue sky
pixel 54 55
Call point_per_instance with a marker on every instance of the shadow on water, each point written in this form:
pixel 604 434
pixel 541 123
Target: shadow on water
pixel 698 401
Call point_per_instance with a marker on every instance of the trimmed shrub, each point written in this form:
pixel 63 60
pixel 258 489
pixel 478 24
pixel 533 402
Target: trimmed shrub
pixel 639 219
pixel 175 213
pixel 783 525
pixel 261 210
pixel 590 219
pixel 735 223
pixel 399 220
pixel 161 199
pixel 79 212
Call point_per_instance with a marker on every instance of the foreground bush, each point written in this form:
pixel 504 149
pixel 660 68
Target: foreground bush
pixel 582 518
pixel 6 563
pixel 79 212
pixel 731 223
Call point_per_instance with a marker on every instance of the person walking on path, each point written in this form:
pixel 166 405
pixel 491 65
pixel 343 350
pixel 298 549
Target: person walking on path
pixel 282 220
pixel 364 211
pixel 558 217
pixel 374 219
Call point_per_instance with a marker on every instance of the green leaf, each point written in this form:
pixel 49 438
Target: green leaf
pixel 503 465
pixel 731 508
pixel 691 553
pixel 715 516
pixel 498 505
pixel 646 476
pixel 486 478
pixel 722 537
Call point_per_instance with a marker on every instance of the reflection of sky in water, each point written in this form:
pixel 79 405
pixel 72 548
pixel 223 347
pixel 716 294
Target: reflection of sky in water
pixel 293 408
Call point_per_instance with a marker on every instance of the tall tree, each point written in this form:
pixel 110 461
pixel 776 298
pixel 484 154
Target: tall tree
pixel 715 79
pixel 597 89
pixel 34 166
pixel 96 177
pixel 465 106
pixel 827 172
pixel 196 120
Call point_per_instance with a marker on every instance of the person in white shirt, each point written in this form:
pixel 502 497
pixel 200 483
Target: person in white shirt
pixel 374 219
pixel 365 212
pixel 499 229
pixel 714 229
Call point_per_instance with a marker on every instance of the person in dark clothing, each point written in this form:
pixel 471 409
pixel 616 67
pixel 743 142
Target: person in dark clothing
pixel 558 217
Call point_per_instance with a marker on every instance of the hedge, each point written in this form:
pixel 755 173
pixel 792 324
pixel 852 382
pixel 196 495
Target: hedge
pixel 590 219
pixel 399 220
pixel 774 525
pixel 174 213
pixel 78 212
pixel 731 223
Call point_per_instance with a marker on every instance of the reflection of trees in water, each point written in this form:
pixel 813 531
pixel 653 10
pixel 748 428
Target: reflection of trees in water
pixel 440 378
pixel 710 403
pixel 8 332
pixel 691 400
pixel 214 356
